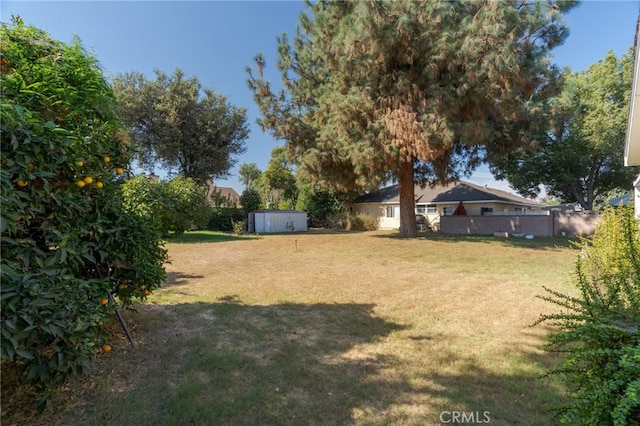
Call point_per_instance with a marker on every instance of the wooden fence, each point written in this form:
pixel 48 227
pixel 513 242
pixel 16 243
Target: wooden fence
pixel 556 223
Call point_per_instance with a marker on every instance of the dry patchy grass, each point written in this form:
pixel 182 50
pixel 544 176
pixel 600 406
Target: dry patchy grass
pixel 342 328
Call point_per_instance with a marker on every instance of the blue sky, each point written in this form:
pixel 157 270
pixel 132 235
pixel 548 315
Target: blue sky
pixel 216 40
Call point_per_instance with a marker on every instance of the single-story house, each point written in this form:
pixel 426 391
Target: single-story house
pixel 632 143
pixel 443 200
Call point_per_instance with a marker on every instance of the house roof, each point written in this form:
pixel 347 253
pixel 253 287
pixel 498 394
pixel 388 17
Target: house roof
pixel 623 200
pixel 632 145
pixel 451 193
pixel 228 193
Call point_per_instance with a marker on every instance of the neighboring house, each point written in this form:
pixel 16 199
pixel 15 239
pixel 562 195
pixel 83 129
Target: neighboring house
pixel 226 197
pixel 632 145
pixel 444 200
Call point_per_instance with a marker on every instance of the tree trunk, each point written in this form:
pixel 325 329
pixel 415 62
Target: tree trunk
pixel 408 227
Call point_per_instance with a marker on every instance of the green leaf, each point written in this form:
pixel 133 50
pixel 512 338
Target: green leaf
pixel 24 354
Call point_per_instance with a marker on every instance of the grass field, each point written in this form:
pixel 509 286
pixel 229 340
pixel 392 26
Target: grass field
pixel 335 328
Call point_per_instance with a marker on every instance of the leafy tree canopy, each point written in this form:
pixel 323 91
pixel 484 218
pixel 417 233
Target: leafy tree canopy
pixel 279 175
pixel 579 155
pixel 409 89
pixel 250 200
pixel 249 174
pixel 180 126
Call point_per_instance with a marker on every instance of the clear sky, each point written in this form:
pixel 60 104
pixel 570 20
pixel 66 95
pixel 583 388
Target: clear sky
pixel 216 40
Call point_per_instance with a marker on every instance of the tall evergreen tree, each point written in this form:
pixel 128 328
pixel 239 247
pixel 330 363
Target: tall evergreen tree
pixel 411 90
pixel 579 156
pixel 179 125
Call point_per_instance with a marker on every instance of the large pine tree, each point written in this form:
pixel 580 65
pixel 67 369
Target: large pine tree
pixel 411 90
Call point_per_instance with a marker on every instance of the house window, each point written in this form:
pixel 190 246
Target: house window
pixel 389 211
pixel 518 210
pixel 427 209
pixel 486 210
pixel 447 211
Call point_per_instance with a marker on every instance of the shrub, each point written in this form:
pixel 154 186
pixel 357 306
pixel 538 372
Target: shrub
pixel 238 227
pixel 598 330
pixel 67 240
pixel 361 222
pixel 176 206
pixel 322 207
pixel 223 218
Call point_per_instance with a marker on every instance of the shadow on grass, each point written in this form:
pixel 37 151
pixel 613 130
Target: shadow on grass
pixel 228 363
pixel 542 243
pixel 179 278
pixel 194 237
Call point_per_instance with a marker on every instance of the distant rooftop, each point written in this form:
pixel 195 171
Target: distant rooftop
pixel 453 192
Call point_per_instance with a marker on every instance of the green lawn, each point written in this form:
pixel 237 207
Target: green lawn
pixel 336 328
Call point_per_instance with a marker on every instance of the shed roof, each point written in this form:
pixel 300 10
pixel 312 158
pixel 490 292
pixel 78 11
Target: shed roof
pixel 450 193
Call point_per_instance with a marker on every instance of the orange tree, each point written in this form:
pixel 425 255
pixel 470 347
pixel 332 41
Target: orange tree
pixel 67 239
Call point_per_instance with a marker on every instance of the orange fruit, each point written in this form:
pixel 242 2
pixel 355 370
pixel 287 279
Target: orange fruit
pixel 122 286
pixel 106 159
pixel 119 170
pixel 142 287
pixel 106 348
pixel 98 185
pixel 104 301
pixel 88 179
pixel 79 163
pixel 80 183
pixel 22 183
pixel 147 292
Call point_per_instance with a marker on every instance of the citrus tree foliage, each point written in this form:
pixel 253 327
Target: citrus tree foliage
pixel 414 90
pixel 67 241
pixel 175 206
pixel 599 328
pixel 180 126
pixel 579 156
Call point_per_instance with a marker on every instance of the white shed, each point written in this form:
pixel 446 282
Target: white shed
pixel 269 221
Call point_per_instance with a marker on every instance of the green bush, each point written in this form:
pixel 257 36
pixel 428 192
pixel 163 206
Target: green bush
pixel 323 208
pixel 67 240
pixel 598 330
pixel 223 218
pixel 176 206
pixel 361 222
pixel 238 227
